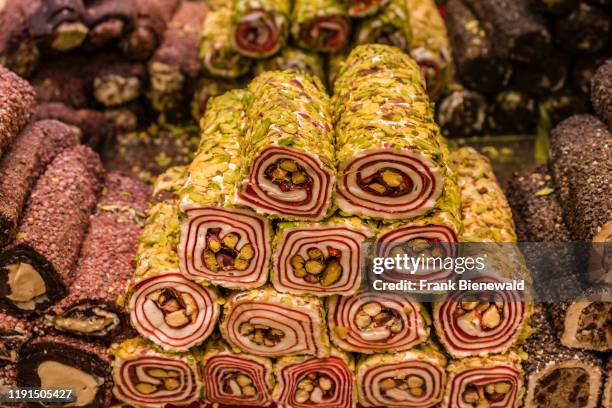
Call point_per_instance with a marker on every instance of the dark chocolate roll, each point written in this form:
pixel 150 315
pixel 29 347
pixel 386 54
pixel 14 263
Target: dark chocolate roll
pixel 601 92
pixel 545 76
pixel 561 105
pixel 21 166
pixel 581 165
pixel 175 66
pixel 14 333
pixel 37 270
pixel 557 376
pixel 512 112
pixel 516 32
pixel 19 52
pixel 105 262
pixel 66 80
pixel 554 7
pixel 64 362
pixel 584 68
pixel 476 62
pixel 109 20
pixel 585 30
pixel 116 81
pixel 462 114
pixel 59 24
pixel 17 104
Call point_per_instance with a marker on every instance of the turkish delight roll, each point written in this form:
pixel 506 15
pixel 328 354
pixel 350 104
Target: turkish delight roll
pixel 289 161
pixel 38 269
pixel 105 261
pixel 23 163
pixel 293 58
pixel 391 26
pixel 321 25
pixel 601 92
pixel 364 8
pixel 109 21
pixel 260 27
pixel 320 259
pixel 462 114
pixel 271 324
pixel 390 152
pixel 307 381
pixel 375 322
pixel 512 112
pixel 117 82
pixel 220 243
pixel 407 379
pixel 14 333
pixel 67 363
pixel 586 29
pixel 236 378
pixel 59 25
pixel 583 324
pixel 495 381
pixel 17 104
pixel 145 377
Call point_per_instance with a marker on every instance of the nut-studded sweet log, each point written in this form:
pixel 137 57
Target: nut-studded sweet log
pixel 323 382
pixel 320 25
pixel 17 103
pixel 116 81
pixel 462 114
pixel 260 27
pixel 235 378
pixel 320 259
pixel 581 153
pixel 584 324
pixel 144 377
pixel 289 163
pixel 109 21
pixel 59 25
pixel 19 52
pixel 64 362
pixel 543 77
pixel 557 376
pixel 364 8
pixel 207 88
pixel 495 381
pixel 587 29
pixel 105 264
pixel 517 32
pixel 512 112
pixel 409 379
pixel 375 322
pixel 221 244
pixel 66 80
pixel 391 159
pixel 271 324
pixel 477 64
pixel 23 163
pixel 391 26
pixel 14 333
pixel 601 92
pixel 293 58
pixel 38 269
pixel 175 66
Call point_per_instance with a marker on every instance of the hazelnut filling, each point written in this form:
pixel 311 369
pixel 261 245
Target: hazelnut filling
pixel 320 269
pixel 260 334
pixel 222 252
pixel 479 315
pixel 403 387
pixel 27 287
pixel 315 388
pixel 156 379
pixel 288 175
pixel 386 182
pixel 595 324
pixel 178 308
pixel 85 386
pixel 563 387
pixel 86 320
pixel 238 384
pixel 482 396
pixel 378 323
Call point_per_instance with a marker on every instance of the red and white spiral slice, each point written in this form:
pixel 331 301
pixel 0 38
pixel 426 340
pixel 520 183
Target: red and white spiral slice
pixel 237 379
pixel 468 326
pixel 290 391
pixel 464 383
pixel 326 33
pixel 397 242
pixel 259 34
pixel 308 201
pixel 341 252
pixel 421 185
pixel 173 312
pixel 155 380
pixel 251 230
pixel 372 322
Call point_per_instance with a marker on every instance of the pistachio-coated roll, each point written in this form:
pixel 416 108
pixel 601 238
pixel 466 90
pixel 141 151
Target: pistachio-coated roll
pixel 391 26
pixel 288 165
pixel 220 243
pixel 321 25
pixel 236 378
pixel 145 377
pixel 364 8
pixel 260 27
pixel 391 155
pixel 324 382
pixel 408 379
pixel 270 324
pixel 293 58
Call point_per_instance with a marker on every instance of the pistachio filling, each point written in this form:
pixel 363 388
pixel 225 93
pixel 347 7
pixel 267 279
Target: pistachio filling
pixel 165 78
pixel 386 182
pixel 157 379
pixel 426 247
pixel 402 387
pixel 57 375
pixel 288 175
pixel 222 252
pixel 260 334
pixel 315 387
pixel 114 90
pixel 377 322
pixel 86 320
pixel 27 286
pixel 479 315
pixel 563 387
pixel 595 324
pixel 482 396
pixel 178 308
pixel 320 269
pixel 69 36
pixel 238 384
